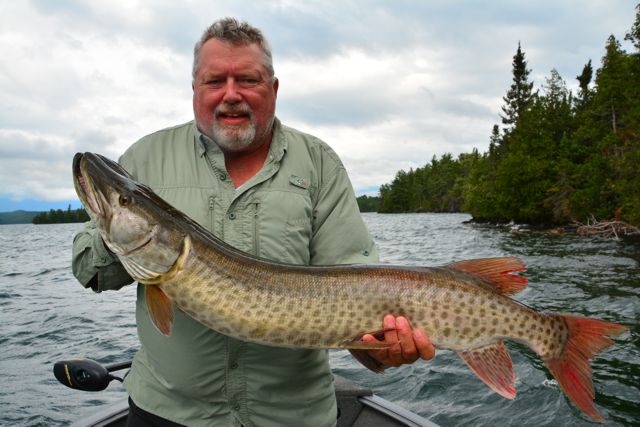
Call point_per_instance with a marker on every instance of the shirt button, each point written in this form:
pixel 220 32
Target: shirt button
pixel 232 216
pixel 236 407
pixel 223 177
pixel 234 365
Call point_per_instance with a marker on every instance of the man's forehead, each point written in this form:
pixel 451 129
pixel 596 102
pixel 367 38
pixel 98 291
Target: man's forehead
pixel 224 48
pixel 218 54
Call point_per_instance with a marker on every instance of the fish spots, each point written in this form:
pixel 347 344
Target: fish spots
pixel 259 332
pixel 314 337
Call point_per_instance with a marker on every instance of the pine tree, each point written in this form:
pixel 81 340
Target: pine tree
pixel 584 92
pixel 519 94
pixel 611 80
pixel 633 35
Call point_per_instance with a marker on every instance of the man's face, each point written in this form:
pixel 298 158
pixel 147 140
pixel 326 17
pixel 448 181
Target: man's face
pixel 234 98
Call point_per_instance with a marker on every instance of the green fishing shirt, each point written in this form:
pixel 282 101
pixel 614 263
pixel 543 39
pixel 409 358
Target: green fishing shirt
pixel 300 209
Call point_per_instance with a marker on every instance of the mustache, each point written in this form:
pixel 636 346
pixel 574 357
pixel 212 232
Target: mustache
pixel 241 108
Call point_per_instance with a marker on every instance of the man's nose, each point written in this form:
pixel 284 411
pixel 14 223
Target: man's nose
pixel 231 93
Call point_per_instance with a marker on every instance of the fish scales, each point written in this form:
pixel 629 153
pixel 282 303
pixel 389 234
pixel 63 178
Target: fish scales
pixel 327 310
pixel 465 306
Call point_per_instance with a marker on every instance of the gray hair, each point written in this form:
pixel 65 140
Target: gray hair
pixel 231 31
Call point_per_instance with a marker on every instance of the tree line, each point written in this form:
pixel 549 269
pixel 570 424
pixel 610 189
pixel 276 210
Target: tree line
pixel 58 216
pixel 556 157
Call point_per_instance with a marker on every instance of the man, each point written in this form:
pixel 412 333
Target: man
pixel 268 190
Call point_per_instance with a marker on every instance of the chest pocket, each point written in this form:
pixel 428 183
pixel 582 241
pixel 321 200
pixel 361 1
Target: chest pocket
pixel 283 225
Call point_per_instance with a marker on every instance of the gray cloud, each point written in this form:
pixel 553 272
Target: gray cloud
pixel 387 84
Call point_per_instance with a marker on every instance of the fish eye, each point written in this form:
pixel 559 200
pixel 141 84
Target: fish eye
pixel 125 200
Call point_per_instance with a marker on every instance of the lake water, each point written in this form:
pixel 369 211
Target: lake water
pixel 45 316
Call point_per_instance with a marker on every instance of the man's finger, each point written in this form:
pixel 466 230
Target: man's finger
pixel 379 355
pixel 423 344
pixel 405 336
pixel 389 323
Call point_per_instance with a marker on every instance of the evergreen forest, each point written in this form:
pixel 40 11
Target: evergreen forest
pixel 556 157
pixel 58 216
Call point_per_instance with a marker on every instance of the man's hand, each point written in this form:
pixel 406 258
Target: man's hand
pixel 409 345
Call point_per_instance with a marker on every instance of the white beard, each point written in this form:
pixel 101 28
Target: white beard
pixel 233 138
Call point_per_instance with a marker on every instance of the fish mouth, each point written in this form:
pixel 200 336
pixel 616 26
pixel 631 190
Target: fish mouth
pixel 90 197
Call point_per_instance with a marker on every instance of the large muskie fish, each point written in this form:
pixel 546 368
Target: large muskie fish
pixel 464 306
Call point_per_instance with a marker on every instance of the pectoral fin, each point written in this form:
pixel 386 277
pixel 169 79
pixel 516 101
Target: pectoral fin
pixel 492 364
pixel 160 309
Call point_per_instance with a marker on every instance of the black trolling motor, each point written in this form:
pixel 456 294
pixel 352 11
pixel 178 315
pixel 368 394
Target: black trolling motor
pixel 87 374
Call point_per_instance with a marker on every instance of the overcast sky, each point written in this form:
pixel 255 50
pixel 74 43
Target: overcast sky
pixel 388 84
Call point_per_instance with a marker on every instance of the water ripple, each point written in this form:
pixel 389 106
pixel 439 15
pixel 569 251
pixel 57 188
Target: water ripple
pixel 46 316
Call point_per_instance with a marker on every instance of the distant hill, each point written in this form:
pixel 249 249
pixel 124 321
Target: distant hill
pixel 17 217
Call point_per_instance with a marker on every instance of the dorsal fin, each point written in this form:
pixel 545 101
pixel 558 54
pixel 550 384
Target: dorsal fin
pixel 497 272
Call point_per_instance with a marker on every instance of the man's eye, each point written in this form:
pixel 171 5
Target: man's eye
pixel 214 82
pixel 248 82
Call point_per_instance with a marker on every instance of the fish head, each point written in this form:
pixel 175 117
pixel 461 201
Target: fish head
pixel 113 200
pixel 136 224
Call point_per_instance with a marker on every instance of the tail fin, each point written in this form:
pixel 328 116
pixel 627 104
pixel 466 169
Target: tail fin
pixel 572 369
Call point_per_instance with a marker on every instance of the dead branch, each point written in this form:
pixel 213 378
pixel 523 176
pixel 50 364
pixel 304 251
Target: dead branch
pixel 608 229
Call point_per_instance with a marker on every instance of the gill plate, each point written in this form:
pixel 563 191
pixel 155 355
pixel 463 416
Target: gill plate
pixel 148 277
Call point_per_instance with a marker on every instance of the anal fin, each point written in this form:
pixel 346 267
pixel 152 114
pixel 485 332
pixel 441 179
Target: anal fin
pixel 492 364
pixel 160 308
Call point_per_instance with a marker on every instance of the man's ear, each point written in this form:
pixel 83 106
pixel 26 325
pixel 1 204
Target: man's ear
pixel 276 84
